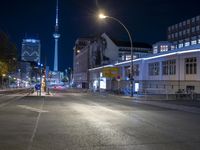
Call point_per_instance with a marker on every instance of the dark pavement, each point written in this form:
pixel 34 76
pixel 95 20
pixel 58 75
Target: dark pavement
pixel 77 121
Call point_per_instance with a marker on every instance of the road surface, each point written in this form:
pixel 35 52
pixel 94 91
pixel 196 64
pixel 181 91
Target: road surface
pixel 77 121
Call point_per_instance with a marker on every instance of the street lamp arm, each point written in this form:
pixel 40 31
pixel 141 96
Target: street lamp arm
pixel 130 38
pixel 131 42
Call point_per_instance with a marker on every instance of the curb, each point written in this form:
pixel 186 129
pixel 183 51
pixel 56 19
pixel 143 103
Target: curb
pixel 170 106
pixel 161 104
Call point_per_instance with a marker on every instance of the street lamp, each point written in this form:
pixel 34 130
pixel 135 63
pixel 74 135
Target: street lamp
pixel 2 82
pixel 102 16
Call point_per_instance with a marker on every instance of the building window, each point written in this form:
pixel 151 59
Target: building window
pixel 187 43
pixel 198 41
pixel 136 70
pixel 184 32
pixel 128 57
pixel 191 65
pixel 188 21
pixel 193 29
pixel 172 47
pixel 180 45
pixel 154 69
pixel 184 23
pixel 197 18
pixel 169 67
pixel 194 42
pixel 197 28
pixel 193 20
pixel 155 49
pixel 180 33
pixel 163 48
pixel 188 31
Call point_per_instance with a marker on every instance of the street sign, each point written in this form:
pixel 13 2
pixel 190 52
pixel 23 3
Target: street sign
pixel 37 87
pixel 110 72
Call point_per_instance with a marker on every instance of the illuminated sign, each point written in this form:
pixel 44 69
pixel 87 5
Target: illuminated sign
pixel 110 72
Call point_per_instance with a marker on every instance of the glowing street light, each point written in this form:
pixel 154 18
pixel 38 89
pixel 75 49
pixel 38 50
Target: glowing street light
pixel 102 16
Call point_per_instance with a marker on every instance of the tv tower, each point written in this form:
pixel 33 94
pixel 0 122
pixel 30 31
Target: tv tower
pixel 56 36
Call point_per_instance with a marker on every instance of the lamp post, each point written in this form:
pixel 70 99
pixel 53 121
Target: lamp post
pixel 102 16
pixel 40 69
pixel 2 81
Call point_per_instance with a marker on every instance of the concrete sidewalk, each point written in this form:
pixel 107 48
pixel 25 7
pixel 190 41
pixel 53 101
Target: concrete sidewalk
pixel 177 105
pixel 42 94
pixel 192 106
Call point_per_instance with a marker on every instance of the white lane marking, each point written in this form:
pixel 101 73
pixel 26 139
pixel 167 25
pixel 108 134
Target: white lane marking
pixel 36 126
pixel 32 109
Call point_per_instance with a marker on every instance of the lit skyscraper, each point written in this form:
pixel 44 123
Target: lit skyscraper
pixel 56 36
pixel 30 50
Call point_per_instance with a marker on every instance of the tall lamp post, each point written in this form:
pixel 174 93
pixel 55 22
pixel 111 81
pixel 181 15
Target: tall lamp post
pixel 102 16
pixel 2 80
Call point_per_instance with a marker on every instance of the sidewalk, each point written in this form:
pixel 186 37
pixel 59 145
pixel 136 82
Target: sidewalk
pixel 192 106
pixel 42 94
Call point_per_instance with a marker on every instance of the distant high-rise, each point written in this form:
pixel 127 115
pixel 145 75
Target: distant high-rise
pixel 30 50
pixel 185 33
pixel 56 36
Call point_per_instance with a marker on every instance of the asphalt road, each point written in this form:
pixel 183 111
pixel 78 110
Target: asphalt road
pixel 76 121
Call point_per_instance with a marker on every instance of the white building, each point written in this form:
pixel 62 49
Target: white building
pixel 91 52
pixel 165 72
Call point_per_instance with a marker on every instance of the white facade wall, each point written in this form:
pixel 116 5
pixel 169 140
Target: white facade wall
pixel 162 83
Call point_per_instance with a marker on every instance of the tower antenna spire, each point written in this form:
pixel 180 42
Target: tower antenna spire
pixel 57 14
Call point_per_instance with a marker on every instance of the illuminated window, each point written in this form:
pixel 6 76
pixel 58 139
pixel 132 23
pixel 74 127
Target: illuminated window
pixel 163 48
pixel 128 57
pixel 187 43
pixel 191 65
pixel 155 49
pixel 180 45
pixel 194 42
pixel 198 41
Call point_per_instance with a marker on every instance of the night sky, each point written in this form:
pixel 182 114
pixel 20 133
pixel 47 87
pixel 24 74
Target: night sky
pixel 147 21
